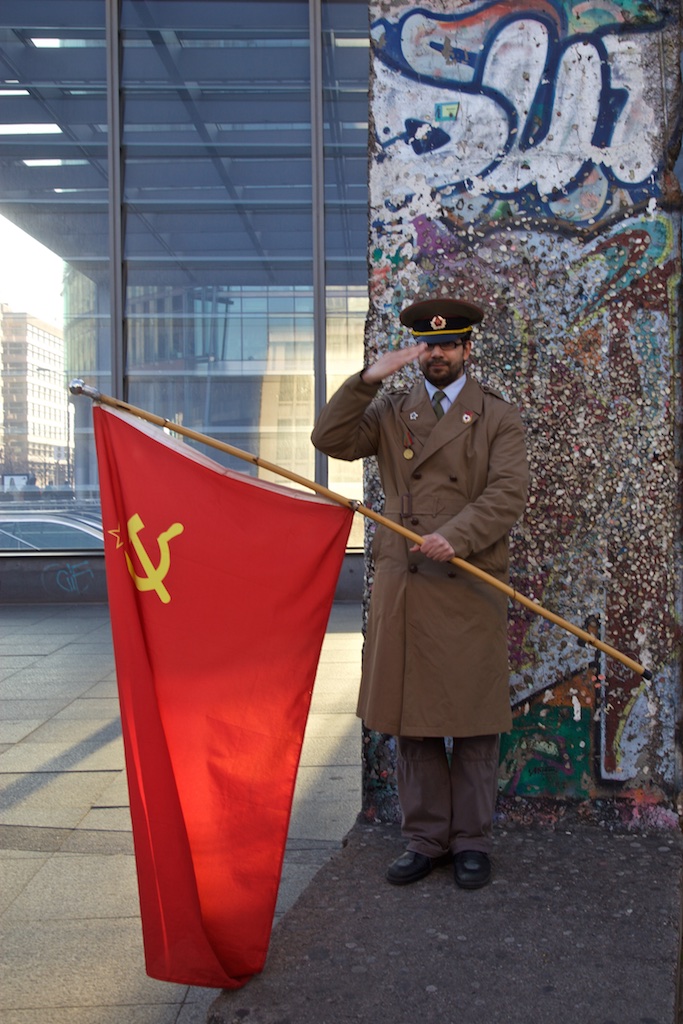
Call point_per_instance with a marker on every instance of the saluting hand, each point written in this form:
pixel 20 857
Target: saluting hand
pixel 435 546
pixel 392 361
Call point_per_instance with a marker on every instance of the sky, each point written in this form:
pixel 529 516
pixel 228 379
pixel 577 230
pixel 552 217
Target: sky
pixel 30 275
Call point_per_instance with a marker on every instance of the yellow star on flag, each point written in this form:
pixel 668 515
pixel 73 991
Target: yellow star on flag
pixel 117 534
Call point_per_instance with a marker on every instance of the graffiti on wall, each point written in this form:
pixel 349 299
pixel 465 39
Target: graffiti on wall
pixel 522 157
pixel 546 104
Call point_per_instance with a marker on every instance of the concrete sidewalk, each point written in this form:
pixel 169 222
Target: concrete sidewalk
pixel 580 926
pixel 70 929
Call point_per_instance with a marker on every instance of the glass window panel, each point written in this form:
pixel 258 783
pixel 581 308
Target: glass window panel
pixel 48 530
pixel 346 312
pixel 345 112
pixel 218 197
pixel 217 221
pixel 53 233
pixel 218 143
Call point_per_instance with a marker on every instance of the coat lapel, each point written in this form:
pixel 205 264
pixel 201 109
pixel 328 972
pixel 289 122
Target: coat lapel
pixel 418 418
pixel 460 418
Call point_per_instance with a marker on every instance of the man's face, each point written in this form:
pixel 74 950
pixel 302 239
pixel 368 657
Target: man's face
pixel 442 366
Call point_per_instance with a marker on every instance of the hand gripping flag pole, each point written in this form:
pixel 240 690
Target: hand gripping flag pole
pixel 79 387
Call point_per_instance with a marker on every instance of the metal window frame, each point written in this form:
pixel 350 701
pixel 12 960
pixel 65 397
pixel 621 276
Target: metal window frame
pixel 115 198
pixel 318 225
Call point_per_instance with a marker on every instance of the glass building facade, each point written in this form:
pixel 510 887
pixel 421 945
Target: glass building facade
pixel 198 168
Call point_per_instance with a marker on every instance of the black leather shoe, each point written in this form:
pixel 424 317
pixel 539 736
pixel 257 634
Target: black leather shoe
pixel 472 869
pixel 411 867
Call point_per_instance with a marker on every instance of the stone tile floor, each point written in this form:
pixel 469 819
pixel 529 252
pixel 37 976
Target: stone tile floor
pixel 70 937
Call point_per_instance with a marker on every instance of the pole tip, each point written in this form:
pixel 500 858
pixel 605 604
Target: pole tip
pixel 79 387
pixel 647 674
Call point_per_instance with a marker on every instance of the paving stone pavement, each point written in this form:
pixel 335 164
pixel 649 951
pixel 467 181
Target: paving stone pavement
pixel 70 937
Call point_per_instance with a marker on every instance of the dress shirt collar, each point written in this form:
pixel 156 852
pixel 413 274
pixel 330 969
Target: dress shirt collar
pixel 451 391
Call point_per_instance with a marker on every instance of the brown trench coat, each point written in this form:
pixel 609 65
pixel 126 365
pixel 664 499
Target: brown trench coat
pixel 435 661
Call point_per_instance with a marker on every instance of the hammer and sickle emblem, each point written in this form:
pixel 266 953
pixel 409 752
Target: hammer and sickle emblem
pixel 154 575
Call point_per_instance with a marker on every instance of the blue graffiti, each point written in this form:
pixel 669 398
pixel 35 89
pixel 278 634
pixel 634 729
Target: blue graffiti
pixel 70 577
pixel 520 105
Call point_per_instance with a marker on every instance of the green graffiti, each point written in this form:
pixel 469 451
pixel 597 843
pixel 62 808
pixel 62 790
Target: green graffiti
pixel 548 753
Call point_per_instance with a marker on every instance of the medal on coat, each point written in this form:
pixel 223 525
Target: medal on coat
pixel 467 417
pixel 408 452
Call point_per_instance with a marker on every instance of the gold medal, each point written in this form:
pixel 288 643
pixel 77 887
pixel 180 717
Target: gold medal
pixel 408 453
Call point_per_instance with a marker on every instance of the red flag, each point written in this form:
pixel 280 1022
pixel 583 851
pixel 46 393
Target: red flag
pixel 220 589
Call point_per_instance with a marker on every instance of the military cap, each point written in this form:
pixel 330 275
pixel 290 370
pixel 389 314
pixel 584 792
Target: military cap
pixel 440 316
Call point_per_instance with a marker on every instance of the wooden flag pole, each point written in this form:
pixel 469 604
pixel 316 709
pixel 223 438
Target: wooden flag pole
pixel 78 387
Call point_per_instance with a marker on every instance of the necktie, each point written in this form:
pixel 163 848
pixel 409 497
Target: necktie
pixel 436 403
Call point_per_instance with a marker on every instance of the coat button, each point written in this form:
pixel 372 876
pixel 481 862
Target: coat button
pixel 414 521
pixel 417 476
pixel 452 574
pixel 412 568
pixel 453 479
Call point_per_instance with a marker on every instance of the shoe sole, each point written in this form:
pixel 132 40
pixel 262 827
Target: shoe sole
pixel 472 885
pixel 437 862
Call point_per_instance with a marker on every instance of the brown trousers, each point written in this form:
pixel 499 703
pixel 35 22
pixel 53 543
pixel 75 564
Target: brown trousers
pixel 447 808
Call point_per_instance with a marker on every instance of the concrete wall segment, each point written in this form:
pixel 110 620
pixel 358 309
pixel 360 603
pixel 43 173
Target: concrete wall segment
pixel 522 157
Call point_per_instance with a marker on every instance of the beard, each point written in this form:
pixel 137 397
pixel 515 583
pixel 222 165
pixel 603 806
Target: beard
pixel 441 373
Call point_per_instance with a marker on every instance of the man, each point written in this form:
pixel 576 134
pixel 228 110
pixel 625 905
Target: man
pixel 453 467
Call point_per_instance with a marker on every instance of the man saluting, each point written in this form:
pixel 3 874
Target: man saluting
pixel 453 467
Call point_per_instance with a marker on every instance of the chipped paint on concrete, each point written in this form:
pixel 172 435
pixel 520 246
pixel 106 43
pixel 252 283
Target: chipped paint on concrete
pixel 522 157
